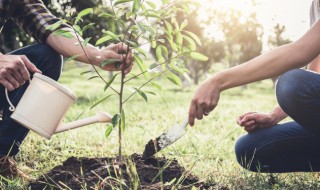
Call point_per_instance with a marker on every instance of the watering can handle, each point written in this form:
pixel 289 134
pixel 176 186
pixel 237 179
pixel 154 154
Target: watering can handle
pixel 12 107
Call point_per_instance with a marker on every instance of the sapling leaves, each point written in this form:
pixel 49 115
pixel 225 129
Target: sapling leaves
pixel 72 58
pixel 103 39
pixel 136 6
pixel 142 94
pixel 198 56
pixel 108 62
pixel 110 82
pixel 100 101
pixel 120 2
pixel 106 15
pixel 63 33
pixel 108 131
pixel 115 119
pixel 82 14
pixel 87 27
pixel 174 79
pixel 193 36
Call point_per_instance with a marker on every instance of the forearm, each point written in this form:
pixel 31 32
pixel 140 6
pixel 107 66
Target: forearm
pixel 69 47
pixel 315 65
pixel 278 114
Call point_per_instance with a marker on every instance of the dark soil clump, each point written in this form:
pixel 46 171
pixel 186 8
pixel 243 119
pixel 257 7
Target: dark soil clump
pixel 133 172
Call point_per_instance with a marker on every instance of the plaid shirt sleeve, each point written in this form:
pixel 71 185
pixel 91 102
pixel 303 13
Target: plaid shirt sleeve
pixel 32 16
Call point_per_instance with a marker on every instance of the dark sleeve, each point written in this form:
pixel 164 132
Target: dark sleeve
pixel 32 16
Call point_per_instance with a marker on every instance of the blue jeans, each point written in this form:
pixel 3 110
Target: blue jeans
pixel 292 146
pixel 11 133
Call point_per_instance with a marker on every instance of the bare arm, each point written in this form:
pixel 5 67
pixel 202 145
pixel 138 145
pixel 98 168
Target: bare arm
pixel 271 64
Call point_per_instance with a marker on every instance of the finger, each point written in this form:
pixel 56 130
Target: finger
pixel 247 118
pixel 7 85
pixel 12 81
pixel 242 116
pixel 18 76
pixel 29 65
pixel 200 111
pixel 248 123
pixel 251 128
pixel 122 47
pixel 192 113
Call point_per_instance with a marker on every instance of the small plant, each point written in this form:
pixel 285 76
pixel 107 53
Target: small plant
pixel 141 24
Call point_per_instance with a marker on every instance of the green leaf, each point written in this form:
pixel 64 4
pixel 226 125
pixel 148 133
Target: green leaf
pixel 123 120
pixel 103 39
pixel 191 42
pixel 88 26
pixel 169 27
pixel 183 24
pixel 86 41
pixel 63 33
pixel 173 45
pixel 198 56
pixel 193 36
pixel 93 77
pixel 85 72
pixel 100 101
pixel 72 58
pixel 141 65
pixel 165 51
pixel 156 85
pixel 106 15
pixel 54 26
pixel 108 62
pixel 113 35
pixel 121 1
pixel 108 131
pixel 153 43
pixel 115 120
pixel 159 56
pixel 151 4
pixel 83 13
pixel 110 82
pixel 174 79
pixel 131 43
pixel 164 2
pixel 141 51
pixel 179 38
pixel 142 94
pixel 136 6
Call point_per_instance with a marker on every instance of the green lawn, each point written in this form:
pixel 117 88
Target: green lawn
pixel 207 149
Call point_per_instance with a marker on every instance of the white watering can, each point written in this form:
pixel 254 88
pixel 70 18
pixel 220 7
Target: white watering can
pixel 43 106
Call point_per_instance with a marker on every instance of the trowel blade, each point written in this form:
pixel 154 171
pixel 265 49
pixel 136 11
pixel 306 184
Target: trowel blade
pixel 165 139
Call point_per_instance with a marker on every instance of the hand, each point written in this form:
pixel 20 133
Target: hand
pixel 252 121
pixel 204 100
pixel 117 51
pixel 14 70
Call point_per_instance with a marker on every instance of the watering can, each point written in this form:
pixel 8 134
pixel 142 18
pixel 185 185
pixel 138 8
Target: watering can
pixel 44 104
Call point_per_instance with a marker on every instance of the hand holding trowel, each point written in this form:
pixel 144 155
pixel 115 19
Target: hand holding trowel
pixel 166 139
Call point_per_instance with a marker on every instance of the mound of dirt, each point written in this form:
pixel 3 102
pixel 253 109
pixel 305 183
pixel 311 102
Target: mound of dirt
pixel 133 172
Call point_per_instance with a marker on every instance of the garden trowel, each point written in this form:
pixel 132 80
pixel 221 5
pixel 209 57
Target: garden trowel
pixel 164 140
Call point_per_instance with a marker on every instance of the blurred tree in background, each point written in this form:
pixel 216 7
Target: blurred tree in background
pixel 240 40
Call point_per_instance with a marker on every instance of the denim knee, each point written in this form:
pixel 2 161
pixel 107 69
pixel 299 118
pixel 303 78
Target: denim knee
pixel 245 154
pixel 290 90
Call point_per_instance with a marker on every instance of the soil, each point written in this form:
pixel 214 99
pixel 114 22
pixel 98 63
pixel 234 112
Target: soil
pixel 110 173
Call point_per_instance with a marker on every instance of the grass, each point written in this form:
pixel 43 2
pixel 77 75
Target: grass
pixel 207 149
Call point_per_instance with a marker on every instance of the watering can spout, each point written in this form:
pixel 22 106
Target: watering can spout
pixel 100 117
